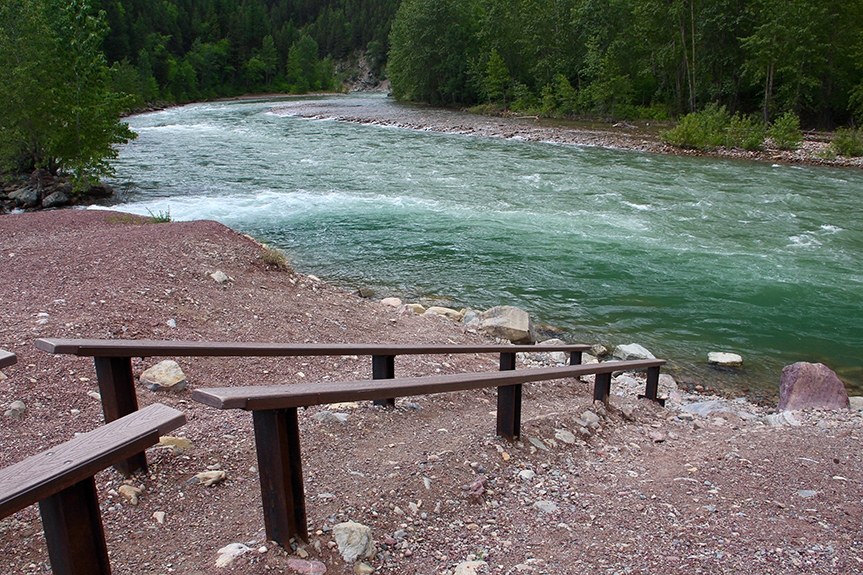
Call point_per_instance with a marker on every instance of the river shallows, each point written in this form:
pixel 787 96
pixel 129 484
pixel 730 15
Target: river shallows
pixel 682 255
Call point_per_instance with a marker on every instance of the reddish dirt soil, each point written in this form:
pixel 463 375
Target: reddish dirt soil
pixel 649 491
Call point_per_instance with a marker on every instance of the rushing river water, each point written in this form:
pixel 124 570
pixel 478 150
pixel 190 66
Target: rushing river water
pixel 681 255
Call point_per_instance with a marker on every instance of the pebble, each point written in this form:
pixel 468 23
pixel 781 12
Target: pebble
pixel 16 410
pixel 159 516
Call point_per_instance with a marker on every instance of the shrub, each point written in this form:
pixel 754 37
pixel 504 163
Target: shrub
pixel 700 130
pixel 847 142
pixel 785 132
pixel 745 132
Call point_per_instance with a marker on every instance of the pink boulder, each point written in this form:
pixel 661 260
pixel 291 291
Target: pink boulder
pixel 811 386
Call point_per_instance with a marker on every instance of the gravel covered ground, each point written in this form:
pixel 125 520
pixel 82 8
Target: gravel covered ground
pixel 636 489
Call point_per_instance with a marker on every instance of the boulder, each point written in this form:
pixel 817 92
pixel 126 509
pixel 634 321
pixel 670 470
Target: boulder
pixel 724 359
pixel 508 322
pixel 811 385
pixel 391 301
pixel 416 308
pixel 165 376
pixel 631 352
pixel 55 200
pixel 30 198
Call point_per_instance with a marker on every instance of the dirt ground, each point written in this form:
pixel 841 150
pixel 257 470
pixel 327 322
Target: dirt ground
pixel 643 489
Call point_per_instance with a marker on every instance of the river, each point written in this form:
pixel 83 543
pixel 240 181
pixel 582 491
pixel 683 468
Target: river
pixel 682 255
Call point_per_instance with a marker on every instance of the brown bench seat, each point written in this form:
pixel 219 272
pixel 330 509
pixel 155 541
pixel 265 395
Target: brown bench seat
pixel 277 435
pixel 113 361
pixel 61 480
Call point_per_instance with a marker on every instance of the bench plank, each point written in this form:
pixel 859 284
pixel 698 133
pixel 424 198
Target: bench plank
pixel 7 358
pixel 51 471
pixel 151 348
pixel 305 394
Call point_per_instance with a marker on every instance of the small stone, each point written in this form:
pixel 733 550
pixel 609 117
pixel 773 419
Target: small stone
pixel 177 444
pixel 564 436
pixel 354 541
pixel 209 478
pixel 416 308
pixel 159 516
pixel 17 409
pixel 363 569
pixel 546 506
pixel 526 474
pixel 330 417
pixel 807 493
pixel 724 359
pixel 306 567
pixel 537 443
pixel 469 567
pixel 165 376
pixel 780 419
pixel 130 493
pixel 446 312
pixel 391 301
pixel 228 553
pixel 302 553
pixel 172 323
pixel 95 395
pixel 220 277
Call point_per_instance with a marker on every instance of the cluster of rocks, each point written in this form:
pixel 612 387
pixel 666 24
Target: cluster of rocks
pixel 43 190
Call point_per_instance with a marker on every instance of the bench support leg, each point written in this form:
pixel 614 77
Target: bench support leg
pixel 602 387
pixel 384 367
pixel 117 388
pixel 651 391
pixel 277 436
pixel 73 531
pixel 508 403
pixel 575 358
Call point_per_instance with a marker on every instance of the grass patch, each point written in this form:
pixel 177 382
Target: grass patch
pixel 274 258
pixel 160 217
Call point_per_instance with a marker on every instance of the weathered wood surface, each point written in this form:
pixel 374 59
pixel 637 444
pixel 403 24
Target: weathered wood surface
pixel 7 358
pixel 305 394
pixel 51 471
pixel 151 348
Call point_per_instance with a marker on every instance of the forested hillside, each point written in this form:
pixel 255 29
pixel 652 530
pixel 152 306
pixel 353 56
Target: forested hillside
pixel 634 58
pixel 179 50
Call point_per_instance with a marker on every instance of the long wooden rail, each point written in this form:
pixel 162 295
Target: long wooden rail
pixel 113 361
pixel 277 435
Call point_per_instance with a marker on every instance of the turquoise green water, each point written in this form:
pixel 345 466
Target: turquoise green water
pixel 682 255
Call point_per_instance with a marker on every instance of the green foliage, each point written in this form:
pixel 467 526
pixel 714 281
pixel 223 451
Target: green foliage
pixel 784 133
pixel 55 84
pixel 847 142
pixel 160 217
pixel 497 78
pixel 273 258
pixel 700 130
pixel 746 133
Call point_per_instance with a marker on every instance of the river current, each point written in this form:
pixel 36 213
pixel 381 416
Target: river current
pixel 682 255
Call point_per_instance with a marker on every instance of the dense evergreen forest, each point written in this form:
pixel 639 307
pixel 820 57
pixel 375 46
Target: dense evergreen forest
pixel 634 58
pixel 180 50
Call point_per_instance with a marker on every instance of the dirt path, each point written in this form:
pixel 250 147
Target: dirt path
pixel 645 490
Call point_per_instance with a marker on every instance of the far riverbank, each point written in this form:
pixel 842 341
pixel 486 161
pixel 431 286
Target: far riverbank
pixel 640 136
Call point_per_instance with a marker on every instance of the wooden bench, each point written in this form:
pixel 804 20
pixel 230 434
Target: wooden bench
pixel 61 480
pixel 7 358
pixel 113 360
pixel 277 434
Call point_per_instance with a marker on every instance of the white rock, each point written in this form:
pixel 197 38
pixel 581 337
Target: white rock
pixel 724 359
pixel 208 478
pixel 446 312
pixel 391 301
pixel 354 541
pixel 632 351
pixel 546 506
pixel 526 474
pixel 159 516
pixel 469 567
pixel 220 277
pixel 228 553
pixel 564 436
pixel 16 409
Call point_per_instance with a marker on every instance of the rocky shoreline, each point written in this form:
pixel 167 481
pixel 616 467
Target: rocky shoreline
pixel 639 136
pixel 43 190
